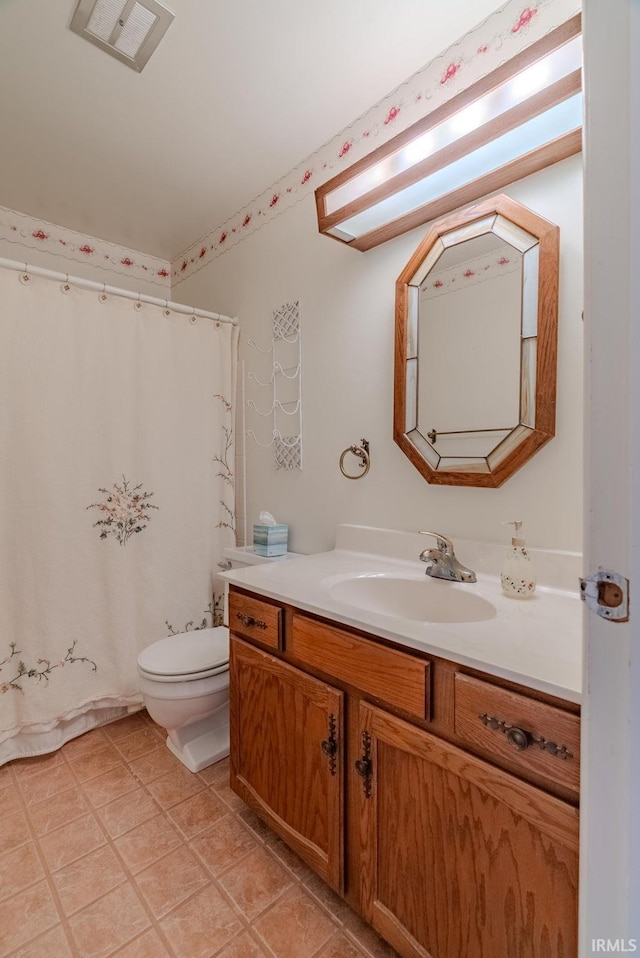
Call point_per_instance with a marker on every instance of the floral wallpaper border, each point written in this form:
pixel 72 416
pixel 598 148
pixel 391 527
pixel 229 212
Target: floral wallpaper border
pixel 30 233
pixel 502 35
pixel 470 273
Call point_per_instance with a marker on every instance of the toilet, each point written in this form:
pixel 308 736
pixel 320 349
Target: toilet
pixel 184 682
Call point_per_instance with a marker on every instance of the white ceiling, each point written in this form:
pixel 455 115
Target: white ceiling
pixel 237 93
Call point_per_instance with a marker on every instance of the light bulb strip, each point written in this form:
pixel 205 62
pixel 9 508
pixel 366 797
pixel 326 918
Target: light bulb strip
pixel 536 105
pixel 538 159
pixel 519 92
pixel 519 89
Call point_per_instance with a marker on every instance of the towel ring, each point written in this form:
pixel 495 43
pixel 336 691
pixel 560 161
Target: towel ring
pixel 362 452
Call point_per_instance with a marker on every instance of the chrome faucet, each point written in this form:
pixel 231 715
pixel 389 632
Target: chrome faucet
pixel 442 560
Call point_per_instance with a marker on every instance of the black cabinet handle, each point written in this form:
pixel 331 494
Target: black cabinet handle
pixel 364 765
pixel 330 745
pixel 521 739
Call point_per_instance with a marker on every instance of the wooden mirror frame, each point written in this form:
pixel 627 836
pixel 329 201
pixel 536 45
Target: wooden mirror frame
pixel 524 440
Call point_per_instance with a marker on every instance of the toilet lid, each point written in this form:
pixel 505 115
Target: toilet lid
pixel 187 653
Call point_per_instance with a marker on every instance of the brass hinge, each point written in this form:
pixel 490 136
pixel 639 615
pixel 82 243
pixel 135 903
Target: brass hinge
pixel 606 594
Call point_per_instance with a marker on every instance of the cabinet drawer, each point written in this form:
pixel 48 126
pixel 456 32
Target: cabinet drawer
pixel 399 679
pixel 256 620
pixel 535 739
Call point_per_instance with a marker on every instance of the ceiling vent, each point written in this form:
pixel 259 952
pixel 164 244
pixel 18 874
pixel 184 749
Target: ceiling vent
pixel 127 29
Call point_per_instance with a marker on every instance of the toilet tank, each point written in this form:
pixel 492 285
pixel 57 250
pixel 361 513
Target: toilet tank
pixel 238 557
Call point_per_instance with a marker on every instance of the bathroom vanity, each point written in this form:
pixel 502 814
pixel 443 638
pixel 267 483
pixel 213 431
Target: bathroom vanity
pixel 438 797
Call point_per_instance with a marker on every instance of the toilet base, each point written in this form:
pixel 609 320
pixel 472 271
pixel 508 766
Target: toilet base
pixel 200 744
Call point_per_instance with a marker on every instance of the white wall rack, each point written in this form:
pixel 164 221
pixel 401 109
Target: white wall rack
pixel 282 406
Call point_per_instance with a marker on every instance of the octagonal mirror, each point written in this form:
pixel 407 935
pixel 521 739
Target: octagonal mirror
pixel 475 348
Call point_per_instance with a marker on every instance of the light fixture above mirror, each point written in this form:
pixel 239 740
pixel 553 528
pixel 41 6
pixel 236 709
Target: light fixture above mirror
pixel 475 345
pixel 520 118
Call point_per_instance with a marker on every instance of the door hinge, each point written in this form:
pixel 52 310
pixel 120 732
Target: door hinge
pixel 606 594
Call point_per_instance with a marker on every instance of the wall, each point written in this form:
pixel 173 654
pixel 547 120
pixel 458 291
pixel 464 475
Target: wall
pixel 26 239
pixel 347 303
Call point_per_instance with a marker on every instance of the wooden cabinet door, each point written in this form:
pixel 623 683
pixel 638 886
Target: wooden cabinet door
pixel 460 858
pixel 286 754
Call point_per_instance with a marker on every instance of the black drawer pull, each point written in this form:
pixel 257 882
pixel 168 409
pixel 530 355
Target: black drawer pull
pixel 249 621
pixel 520 739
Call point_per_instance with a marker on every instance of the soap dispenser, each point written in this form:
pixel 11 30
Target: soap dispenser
pixel 518 576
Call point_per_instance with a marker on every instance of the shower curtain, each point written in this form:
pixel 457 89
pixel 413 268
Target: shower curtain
pixel 116 497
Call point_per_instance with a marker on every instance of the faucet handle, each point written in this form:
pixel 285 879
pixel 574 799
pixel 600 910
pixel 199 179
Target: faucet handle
pixel 444 544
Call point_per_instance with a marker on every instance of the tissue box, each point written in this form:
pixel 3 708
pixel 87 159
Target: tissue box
pixel 270 540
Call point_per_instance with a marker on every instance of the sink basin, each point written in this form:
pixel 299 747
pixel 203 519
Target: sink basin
pixel 419 599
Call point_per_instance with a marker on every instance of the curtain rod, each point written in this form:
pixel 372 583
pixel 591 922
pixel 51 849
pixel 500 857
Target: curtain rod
pixel 114 291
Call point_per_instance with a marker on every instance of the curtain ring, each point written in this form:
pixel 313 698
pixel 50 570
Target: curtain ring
pixel 362 452
pixel 24 276
pixel 103 295
pixel 138 305
pixel 167 311
pixel 66 286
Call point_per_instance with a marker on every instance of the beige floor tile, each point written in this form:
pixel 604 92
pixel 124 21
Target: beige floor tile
pixel 89 878
pixel 202 862
pixel 155 764
pixel 147 843
pixel 72 841
pixel 171 880
pixel 11 801
pixel 225 844
pixel 26 916
pixel 6 775
pixel 106 788
pixel 216 774
pixel 155 725
pixel 139 743
pixel 19 869
pixel 96 762
pixel 125 813
pixel 288 857
pixel 256 883
pixel 296 926
pixel 197 813
pixel 53 944
pixel 58 810
pixel 14 831
pixel 367 939
pixel 174 787
pixel 234 802
pixel 341 947
pixel 84 744
pixel 24 767
pixel 45 784
pixel 242 947
pixel 108 923
pixel 148 945
pixel 202 925
pixel 257 826
pixel 126 726
pixel 337 908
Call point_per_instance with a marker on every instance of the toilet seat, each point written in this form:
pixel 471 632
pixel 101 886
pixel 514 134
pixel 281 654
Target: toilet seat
pixel 186 657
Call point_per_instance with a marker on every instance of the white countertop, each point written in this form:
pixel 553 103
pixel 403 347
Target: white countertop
pixel 536 642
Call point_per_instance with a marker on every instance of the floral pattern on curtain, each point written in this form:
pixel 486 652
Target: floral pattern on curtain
pixel 116 497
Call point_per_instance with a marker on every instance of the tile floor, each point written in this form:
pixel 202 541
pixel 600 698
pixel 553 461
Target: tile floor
pixel 111 847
